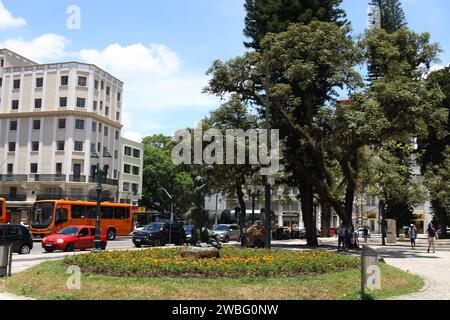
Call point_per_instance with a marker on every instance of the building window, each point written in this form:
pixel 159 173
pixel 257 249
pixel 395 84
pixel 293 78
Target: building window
pixel 126 186
pixel 136 170
pixel 81 103
pixel 106 111
pixel 36 124
pixel 102 84
pixel 64 80
pixel 128 151
pixel 96 84
pixel 59 168
pixel 135 188
pixel 34 168
pixel 10 168
pixel 16 84
pixel 60 145
pixel 115 174
pixel 61 123
pixel 39 82
pixel 2 62
pixel 127 168
pixel 94 106
pixel 117 116
pixel 15 104
pixel 12 147
pixel 37 103
pixel 106 131
pixel 1 82
pixel 117 135
pixel 100 127
pixel 63 102
pixel 92 147
pixel 101 105
pixel 99 147
pixel 82 81
pixel 116 154
pixel 35 146
pixel 79 124
pixel 108 91
pixel 94 126
pixel 136 153
pixel 78 146
pixel 13 126
pixel 118 96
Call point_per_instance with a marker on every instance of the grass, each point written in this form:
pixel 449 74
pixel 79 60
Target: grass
pixel 48 282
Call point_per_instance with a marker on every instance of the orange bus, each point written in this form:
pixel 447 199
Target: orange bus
pixel 50 217
pixel 5 217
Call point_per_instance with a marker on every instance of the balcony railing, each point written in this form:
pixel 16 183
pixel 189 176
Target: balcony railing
pixel 77 178
pixel 13 177
pixel 50 177
pixel 110 182
pixel 16 197
pixel 77 197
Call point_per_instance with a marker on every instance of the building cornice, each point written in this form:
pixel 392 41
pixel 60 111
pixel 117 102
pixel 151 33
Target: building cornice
pixel 61 113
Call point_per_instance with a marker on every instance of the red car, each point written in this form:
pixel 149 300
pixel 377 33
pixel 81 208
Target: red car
pixel 73 238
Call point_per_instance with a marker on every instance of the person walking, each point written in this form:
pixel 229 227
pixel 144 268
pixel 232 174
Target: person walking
pixel 366 233
pixel 431 232
pixel 413 236
pixel 341 237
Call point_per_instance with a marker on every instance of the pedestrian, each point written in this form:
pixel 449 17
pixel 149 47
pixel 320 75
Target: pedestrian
pixel 431 231
pixel 366 233
pixel 413 236
pixel 341 237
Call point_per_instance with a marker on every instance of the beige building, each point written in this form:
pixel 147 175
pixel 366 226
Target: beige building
pixel 53 119
pixel 131 172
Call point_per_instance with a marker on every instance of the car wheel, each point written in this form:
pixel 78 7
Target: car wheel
pixel 226 240
pixel 48 250
pixel 111 234
pixel 24 250
pixel 137 245
pixel 69 248
pixel 103 246
pixel 157 243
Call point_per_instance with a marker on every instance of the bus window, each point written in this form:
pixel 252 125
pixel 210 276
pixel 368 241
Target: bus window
pixel 78 212
pixel 120 213
pixel 92 212
pixel 61 216
pixel 42 215
pixel 107 213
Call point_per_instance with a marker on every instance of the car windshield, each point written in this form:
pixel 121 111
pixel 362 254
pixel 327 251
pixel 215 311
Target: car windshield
pixel 188 228
pixel 42 215
pixel 221 228
pixel 69 231
pixel 154 227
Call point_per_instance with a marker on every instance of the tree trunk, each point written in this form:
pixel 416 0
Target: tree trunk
pixel 241 200
pixel 326 220
pixel 349 199
pixel 382 211
pixel 307 201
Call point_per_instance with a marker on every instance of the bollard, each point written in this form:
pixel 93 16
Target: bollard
pixel 5 261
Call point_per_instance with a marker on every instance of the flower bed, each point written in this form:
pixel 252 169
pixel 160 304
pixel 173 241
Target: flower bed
pixel 234 262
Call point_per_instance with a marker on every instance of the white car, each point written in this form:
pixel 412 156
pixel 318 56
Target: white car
pixel 361 233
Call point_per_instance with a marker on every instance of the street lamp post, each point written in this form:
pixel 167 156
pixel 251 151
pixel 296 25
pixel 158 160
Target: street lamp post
pixel 171 212
pixel 99 174
pixel 253 195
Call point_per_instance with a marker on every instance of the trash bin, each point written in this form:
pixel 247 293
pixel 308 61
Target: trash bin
pixel 5 261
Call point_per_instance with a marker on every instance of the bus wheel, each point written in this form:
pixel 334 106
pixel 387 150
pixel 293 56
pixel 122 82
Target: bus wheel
pixel 111 234
pixel 69 248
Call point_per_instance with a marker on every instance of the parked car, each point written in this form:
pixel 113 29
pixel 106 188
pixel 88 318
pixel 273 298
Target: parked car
pixel 282 233
pixel 253 237
pixel 227 232
pixel 73 238
pixel 188 231
pixel 157 234
pixel 18 236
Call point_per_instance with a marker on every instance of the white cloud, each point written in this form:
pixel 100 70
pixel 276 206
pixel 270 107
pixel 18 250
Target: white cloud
pixel 135 59
pixel 47 46
pixel 8 20
pixel 132 135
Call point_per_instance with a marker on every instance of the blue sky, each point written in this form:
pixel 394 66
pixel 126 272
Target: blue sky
pixel 162 49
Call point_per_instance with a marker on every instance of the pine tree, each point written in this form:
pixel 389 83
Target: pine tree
pixel 392 14
pixel 265 16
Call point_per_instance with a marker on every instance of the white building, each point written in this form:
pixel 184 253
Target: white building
pixel 53 118
pixel 131 174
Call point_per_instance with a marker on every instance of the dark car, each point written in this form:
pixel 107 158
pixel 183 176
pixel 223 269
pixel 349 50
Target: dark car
pixel 157 234
pixel 18 236
pixel 188 231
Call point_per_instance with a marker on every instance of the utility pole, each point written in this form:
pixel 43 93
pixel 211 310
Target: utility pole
pixel 267 187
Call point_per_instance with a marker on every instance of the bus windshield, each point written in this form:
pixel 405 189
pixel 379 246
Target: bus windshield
pixel 42 215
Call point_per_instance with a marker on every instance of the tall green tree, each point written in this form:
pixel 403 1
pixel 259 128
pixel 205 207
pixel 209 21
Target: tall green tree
pixel 275 16
pixel 160 171
pixel 392 14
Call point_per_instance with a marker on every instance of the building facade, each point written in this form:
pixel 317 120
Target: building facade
pixel 57 122
pixel 131 174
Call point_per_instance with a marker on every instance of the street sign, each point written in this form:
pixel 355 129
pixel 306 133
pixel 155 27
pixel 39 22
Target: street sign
pixel 370 271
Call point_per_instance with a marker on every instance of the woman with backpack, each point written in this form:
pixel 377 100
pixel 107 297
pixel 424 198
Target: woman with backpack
pixel 431 232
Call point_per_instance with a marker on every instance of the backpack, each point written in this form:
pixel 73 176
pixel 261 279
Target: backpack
pixel 432 232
